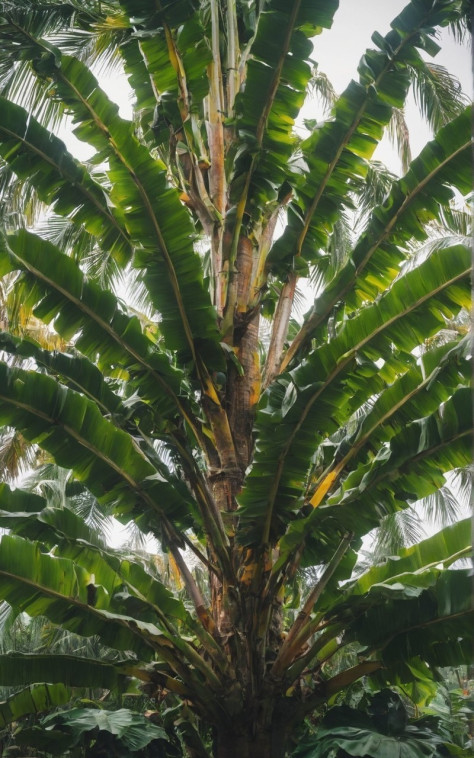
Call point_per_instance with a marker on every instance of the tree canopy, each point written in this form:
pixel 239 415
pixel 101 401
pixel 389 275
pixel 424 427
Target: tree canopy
pixel 150 348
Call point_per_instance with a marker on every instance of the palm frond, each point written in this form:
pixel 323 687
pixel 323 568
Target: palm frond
pixel 461 481
pixel 461 28
pixel 51 21
pixel 377 185
pixel 87 507
pixel 400 137
pixel 17 456
pixel 340 242
pixel 19 203
pixel 438 94
pixel 442 507
pixel 321 89
pixel 7 618
pixel 398 530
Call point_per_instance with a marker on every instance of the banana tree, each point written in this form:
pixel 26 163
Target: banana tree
pixel 257 462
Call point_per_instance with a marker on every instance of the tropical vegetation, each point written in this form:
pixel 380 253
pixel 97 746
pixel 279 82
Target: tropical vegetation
pixel 151 351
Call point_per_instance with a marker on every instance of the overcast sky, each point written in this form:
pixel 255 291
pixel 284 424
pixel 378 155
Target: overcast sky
pixel 339 49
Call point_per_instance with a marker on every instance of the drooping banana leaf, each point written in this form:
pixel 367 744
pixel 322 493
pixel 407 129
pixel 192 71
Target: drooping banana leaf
pixel 336 153
pixel 42 584
pixel 315 399
pixel 154 217
pixel 36 155
pixel 80 373
pixel 401 621
pixel 278 72
pixel 105 458
pixel 36 698
pixel 442 549
pixel 126 731
pixel 380 251
pixel 29 516
pixel 69 670
pixel 59 588
pixel 409 467
pixel 175 52
pixel 61 292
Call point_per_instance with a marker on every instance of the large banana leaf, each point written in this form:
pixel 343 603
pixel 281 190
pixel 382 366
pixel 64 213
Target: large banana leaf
pixel 336 153
pixel 385 733
pixel 36 698
pixel 59 588
pixel 413 200
pixel 444 547
pixel 132 588
pixel 402 621
pixel 409 467
pixel 38 156
pixel 155 218
pixel 126 731
pixel 69 670
pixel 278 72
pixel 75 370
pixel 81 308
pixel 29 516
pixel 105 458
pixel 42 584
pixel 175 50
pixel 317 398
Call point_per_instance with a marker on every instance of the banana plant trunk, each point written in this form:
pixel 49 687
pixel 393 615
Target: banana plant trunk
pixel 253 740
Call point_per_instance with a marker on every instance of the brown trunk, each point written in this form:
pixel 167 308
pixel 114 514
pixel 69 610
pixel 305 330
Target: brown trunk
pixel 257 742
pixel 244 392
pixel 231 746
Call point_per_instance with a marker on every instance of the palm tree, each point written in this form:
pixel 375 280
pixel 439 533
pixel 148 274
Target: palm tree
pixel 163 409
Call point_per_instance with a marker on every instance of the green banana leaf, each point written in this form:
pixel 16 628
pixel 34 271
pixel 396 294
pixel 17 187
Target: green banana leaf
pixel 154 216
pixel 105 458
pixel 76 371
pixel 43 584
pixel 60 180
pixel 336 154
pixel 402 621
pixel 29 516
pixel 442 549
pixel 60 291
pixel 36 698
pixel 69 670
pixel 384 732
pixel 278 72
pixel 445 547
pixel 318 397
pixel 113 730
pixel 177 31
pixel 410 466
pixel 419 196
